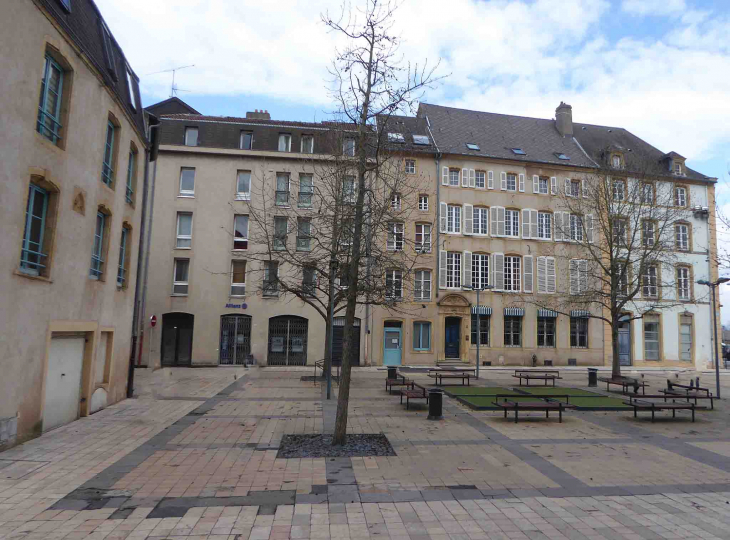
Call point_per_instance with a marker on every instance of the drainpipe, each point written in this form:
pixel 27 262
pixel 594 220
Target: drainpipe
pixel 709 278
pixel 438 223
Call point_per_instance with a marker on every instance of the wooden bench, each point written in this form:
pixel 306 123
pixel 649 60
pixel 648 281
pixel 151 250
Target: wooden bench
pixel 690 392
pixel 625 383
pixel 398 381
pixel 526 406
pixel 539 375
pixel 416 392
pixel 653 406
pixel 441 375
pixel 687 396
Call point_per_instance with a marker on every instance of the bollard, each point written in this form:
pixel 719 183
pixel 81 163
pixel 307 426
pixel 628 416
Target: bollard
pixel 592 376
pixel 392 372
pixel 435 404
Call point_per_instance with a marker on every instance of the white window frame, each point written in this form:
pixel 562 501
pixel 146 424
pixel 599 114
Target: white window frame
pixel 241 138
pixel 284 138
pixel 578 276
pixel 423 244
pixel 235 239
pixel 286 175
pixel 644 187
pixel 303 148
pixel 514 228
pixel 648 241
pixel 512 273
pixel 649 282
pixel 543 232
pixel 184 237
pixel 480 179
pixel 185 283
pixel 511 177
pixel 348 147
pixel 681 236
pixel 243 195
pixel 546 189
pixel 190 193
pixel 420 285
pixel 396 236
pixel 453 269
pixel 189 131
pixel 410 166
pixel 130 86
pixel 684 283
pixel 234 284
pixel 576 228
pixel 653 320
pixel 619 190
pixel 395 290
pixel 423 203
pixel 395 201
pixel 453 219
pixel 480 266
pixel 454 177
pixel 680 196
pixel 481 223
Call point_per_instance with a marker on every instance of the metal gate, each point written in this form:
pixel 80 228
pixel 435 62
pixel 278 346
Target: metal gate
pixel 177 339
pixel 235 339
pixel 338 339
pixel 288 341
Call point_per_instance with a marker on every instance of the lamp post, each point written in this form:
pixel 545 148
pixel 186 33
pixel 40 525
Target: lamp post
pixel 713 286
pixel 331 337
pixel 479 315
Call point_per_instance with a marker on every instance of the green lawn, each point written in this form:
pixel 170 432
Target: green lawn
pixel 477 390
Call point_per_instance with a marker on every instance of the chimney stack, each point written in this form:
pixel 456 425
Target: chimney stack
pixel 564 119
pixel 258 115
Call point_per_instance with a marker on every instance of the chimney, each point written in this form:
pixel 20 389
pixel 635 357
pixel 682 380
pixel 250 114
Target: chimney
pixel 258 115
pixel 564 119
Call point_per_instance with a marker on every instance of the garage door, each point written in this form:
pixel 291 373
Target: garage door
pixel 339 337
pixel 63 380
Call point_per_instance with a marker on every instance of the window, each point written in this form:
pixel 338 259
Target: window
pixel 681 234
pixel 422 288
pixel 546 331
pixel 282 189
pixel 453 270
pixel 544 226
pixel 284 142
pixel 348 190
pixel 395 201
pixel 421 140
pixel 306 190
pixel 423 203
pixel 512 223
pixel 519 152
pixel 677 168
pixel 511 182
pixel 648 236
pixel 184 230
pixel 238 278
pixel 542 187
pixel 454 177
pixel 562 156
pixel 187 182
pixel 511 274
pixel 680 197
pixel 32 259
pixel 97 252
pixel 49 106
pixel 649 286
pixel 396 138
pixel 472 146
pixel 280 233
pixel 647 193
pixel 348 147
pixel 108 50
pixel 572 188
pixel 107 169
pixel 246 141
pixel 651 337
pixel 616 162
pixel 307 144
pixel 191 136
pixel 619 231
pixel 479 271
pixel 309 280
pixel 395 236
pixel 578 270
pixel 410 166
pixel 346 232
pixel 240 232
pixel 304 234
pixel 131 176
pixel 480 179
pixel 180 277
pixel 481 220
pixel 685 338
pixel 394 284
pixel 684 283
pixel 423 237
pixel 622 277
pixel 271 278
pixel 453 219
pixel 483 328
pixel 512 331
pixel 130 88
pixel 579 332
pixel 66 5
pixel 421 336
pixel 576 228
pixel 618 190
pixel 546 278
pixel 243 186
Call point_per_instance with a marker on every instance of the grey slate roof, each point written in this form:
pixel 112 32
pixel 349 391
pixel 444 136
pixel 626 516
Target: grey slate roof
pixel 173 105
pixel 408 126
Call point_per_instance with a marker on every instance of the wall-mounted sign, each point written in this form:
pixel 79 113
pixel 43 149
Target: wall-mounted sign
pixel 153 320
pixel 237 306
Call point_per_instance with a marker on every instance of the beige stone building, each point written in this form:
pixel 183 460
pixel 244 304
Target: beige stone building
pixel 73 161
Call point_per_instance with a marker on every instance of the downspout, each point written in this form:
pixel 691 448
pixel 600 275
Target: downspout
pixel 438 207
pixel 709 278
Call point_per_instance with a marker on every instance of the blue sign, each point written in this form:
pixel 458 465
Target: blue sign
pixel 237 306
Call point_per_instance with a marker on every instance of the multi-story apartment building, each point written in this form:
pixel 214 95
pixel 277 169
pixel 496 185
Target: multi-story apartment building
pixel 73 147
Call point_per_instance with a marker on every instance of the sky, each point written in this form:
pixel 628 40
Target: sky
pixel 659 68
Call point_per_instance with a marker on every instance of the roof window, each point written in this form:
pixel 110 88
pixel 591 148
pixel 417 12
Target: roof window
pixel 66 4
pixel 519 152
pixel 421 140
pixel 396 137
pixel 560 155
pixel 472 146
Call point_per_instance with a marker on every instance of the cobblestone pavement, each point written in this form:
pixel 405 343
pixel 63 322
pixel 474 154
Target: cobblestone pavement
pixel 194 457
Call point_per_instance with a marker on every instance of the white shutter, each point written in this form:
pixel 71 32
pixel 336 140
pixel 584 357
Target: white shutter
pixel 442 269
pixel 500 220
pixel 551 280
pixel 583 276
pixel 493 221
pixel 526 223
pixel 468 219
pixel 445 176
pixel 522 183
pixel 553 185
pixel 567 187
pixel 552 227
pixel 583 188
pixel 567 235
pixel 558 225
pixel 541 275
pixel 464 177
pixel 498 271
pixel 527 263
pixel 490 179
pixel 466 269
pixel 503 176
pixel 573 270
pixel 472 178
pixel 535 183
pixel 443 215
pixel 533 223
pixel 589 228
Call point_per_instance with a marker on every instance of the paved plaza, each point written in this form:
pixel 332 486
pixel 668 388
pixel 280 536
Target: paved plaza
pixel 193 456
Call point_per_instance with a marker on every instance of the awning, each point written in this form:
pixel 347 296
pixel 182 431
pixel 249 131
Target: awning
pixel 481 310
pixel 514 312
pixel 580 313
pixel 547 313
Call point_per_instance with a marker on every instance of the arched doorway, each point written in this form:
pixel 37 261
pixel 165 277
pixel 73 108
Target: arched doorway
pixel 338 339
pixel 177 339
pixel 287 341
pixel 235 344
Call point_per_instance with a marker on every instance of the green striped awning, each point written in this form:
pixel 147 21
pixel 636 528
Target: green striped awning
pixel 580 313
pixel 514 312
pixel 481 310
pixel 547 313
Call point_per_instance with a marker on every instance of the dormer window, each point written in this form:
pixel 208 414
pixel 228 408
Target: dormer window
pixel 396 138
pixel 616 161
pixel 677 168
pixel 421 140
pixel 519 152
pixel 472 146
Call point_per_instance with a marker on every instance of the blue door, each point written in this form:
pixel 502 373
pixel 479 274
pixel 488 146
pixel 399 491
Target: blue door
pixel 452 336
pixel 392 347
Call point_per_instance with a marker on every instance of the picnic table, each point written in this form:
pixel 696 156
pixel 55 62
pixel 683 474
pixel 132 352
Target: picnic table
pixel 546 405
pixel 537 374
pixel 415 392
pixel 641 404
pixel 625 383
pixel 440 375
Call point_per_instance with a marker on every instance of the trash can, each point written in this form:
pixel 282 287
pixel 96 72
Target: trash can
pixel 392 372
pixel 592 376
pixel 435 404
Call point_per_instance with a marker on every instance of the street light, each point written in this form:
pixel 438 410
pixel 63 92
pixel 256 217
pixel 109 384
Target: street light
pixel 479 315
pixel 712 287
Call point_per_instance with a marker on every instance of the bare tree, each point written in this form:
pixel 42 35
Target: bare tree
pixel 618 237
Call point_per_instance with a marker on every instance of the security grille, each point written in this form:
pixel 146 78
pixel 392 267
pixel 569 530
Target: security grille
pixel 235 339
pixel 288 341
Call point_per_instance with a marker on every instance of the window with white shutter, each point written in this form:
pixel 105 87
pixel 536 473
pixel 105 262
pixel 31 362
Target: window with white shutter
pixel 553 185
pixel 551 277
pixel 472 178
pixel 512 223
pixel 535 183
pixel 453 269
pixel 578 276
pixel 464 177
pixel 481 220
pixel 490 179
pixel 468 219
pixel 498 271
pixel 453 219
pixel 454 177
pixel 445 176
pixel 528 273
pixel 442 269
pixel 567 187
pixel 533 223
pixel 573 271
pixel 442 217
pixel 503 177
pixel 526 229
pixel 542 275
pixel 544 225
pixel 589 228
pixel 497 217
pixel 512 273
pixel 466 279
pixel 522 183
pixel 583 188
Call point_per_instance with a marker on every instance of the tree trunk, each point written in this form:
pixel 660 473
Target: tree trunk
pixel 615 363
pixel 343 393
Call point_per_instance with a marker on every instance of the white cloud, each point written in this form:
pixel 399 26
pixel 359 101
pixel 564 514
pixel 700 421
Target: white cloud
pixel 654 7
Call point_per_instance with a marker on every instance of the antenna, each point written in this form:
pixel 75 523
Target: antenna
pixel 173 88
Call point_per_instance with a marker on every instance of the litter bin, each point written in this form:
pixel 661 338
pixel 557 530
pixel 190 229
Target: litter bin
pixel 435 404
pixel 392 372
pixel 592 376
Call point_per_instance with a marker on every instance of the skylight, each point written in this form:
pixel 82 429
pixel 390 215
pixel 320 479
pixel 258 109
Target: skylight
pixel 519 152
pixel 421 139
pixel 560 155
pixel 472 146
pixel 396 137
